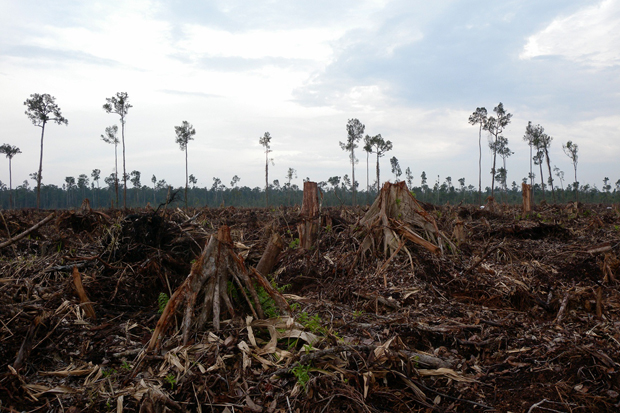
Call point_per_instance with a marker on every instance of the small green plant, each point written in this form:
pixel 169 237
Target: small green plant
pixel 162 302
pixel 269 306
pixel 302 374
pixel 295 306
pixel 126 365
pixel 171 380
pixel 357 313
pixel 294 244
pixel 312 323
pixel 308 348
pixel 108 372
pixel 398 201
pixel 328 228
pixel 231 290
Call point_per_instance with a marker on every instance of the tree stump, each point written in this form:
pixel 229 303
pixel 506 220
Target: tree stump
pixel 308 228
pixel 205 290
pixel 395 217
pixel 271 254
pixel 526 193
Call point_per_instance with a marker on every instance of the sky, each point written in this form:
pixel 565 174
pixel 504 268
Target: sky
pixel 412 71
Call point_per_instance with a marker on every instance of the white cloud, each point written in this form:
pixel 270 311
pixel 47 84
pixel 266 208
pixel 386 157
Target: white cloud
pixel 291 44
pixel 590 36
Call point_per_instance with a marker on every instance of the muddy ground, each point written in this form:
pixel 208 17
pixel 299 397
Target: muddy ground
pixel 523 316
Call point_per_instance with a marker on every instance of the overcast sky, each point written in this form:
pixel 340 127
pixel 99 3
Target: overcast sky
pixel 410 70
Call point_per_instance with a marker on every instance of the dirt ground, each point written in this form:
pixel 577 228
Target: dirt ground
pixel 523 315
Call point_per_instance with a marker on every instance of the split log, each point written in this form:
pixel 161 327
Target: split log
pixel 204 291
pixel 86 303
pixel 270 255
pixel 526 193
pixel 308 228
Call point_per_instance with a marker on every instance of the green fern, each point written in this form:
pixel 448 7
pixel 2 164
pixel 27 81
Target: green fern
pixel 162 302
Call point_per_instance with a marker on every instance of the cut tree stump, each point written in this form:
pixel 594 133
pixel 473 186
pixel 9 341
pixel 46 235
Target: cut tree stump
pixel 205 290
pixel 396 216
pixel 526 193
pixel 270 255
pixel 308 228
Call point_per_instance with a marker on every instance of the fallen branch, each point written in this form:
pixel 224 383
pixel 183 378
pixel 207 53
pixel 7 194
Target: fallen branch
pixel 28 231
pixel 421 359
pixel 86 303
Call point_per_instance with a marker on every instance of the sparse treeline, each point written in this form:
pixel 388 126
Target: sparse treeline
pixel 337 190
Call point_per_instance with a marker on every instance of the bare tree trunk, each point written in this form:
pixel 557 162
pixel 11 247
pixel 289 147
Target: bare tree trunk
pixel 10 186
pixel 353 176
pixel 124 169
pixel 116 169
pixel 40 169
pixel 308 228
pixel 550 174
pixel 266 178
pixel 526 192
pixel 480 165
pixel 186 176
pixel 493 169
pixel 378 181
pixel 542 180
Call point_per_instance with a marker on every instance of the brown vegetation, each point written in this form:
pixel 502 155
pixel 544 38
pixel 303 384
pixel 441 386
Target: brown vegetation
pixel 402 306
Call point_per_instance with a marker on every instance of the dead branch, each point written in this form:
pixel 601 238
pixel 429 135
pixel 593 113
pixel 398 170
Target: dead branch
pixel 28 231
pixel 86 303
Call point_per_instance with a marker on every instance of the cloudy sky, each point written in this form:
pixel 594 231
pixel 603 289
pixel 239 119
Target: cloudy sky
pixel 410 70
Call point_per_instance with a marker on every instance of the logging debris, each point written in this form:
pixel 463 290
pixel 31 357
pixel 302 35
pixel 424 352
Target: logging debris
pixel 523 316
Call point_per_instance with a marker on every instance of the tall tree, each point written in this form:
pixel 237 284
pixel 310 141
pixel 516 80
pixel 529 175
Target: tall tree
pixel 495 125
pixel 292 173
pixel 368 149
pixel 479 117
pixel 501 148
pixel 409 177
pixel 70 185
pixel 119 104
pixel 355 131
pixel 380 148
pixel 135 181
pixel 532 134
pixel 545 143
pixel 572 151
pixel 154 181
pixel 185 133
pixel 265 141
pixel 111 138
pixel 193 180
pixel 82 184
pixel 396 167
pixel 10 152
pixel 560 175
pixel 40 110
pixel 95 175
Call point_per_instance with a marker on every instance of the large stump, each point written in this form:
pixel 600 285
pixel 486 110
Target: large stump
pixel 308 228
pixel 204 293
pixel 395 217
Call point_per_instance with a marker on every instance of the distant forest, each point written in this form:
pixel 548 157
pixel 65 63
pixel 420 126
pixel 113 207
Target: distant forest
pixel 126 189
pixel 70 195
